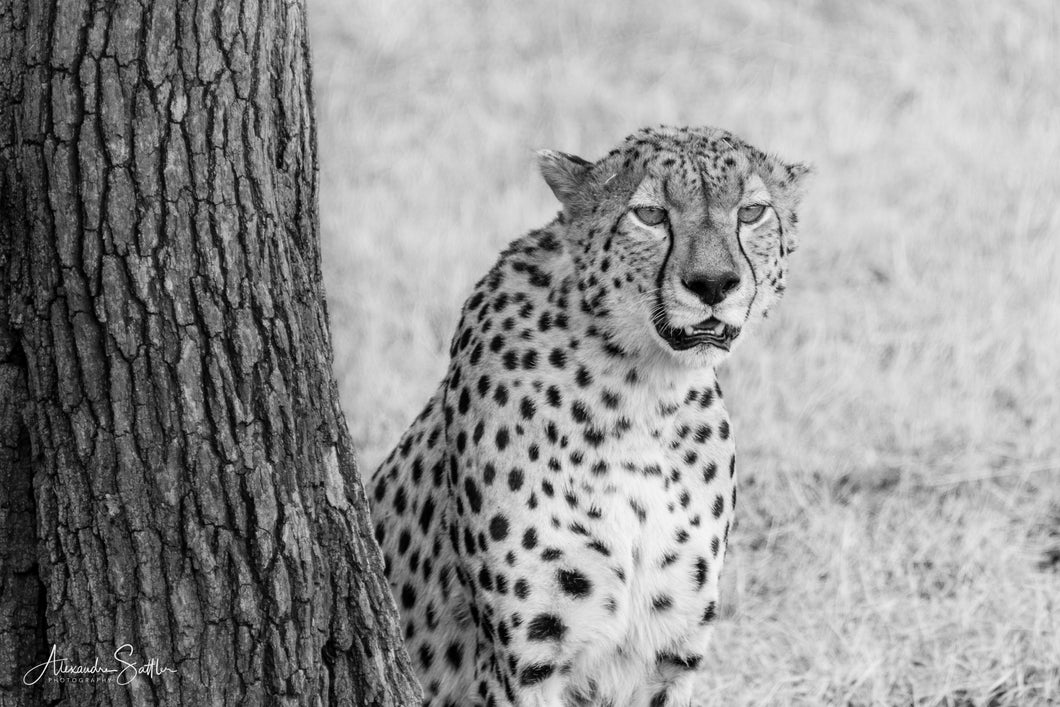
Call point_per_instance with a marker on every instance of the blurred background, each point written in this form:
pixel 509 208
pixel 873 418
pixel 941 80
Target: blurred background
pixel 898 418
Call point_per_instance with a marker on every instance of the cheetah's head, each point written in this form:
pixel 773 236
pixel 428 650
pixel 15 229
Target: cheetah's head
pixel 680 237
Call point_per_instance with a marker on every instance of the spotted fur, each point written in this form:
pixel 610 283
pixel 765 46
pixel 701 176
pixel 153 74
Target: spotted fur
pixel 554 521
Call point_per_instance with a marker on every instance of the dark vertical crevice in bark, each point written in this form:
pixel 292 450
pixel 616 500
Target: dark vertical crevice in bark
pixel 196 494
pixel 22 629
pixel 22 625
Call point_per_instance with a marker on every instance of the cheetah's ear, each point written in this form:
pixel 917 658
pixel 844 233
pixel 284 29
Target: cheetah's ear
pixel 794 179
pixel 565 174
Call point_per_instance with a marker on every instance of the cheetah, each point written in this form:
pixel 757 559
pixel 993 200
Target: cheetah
pixel 554 521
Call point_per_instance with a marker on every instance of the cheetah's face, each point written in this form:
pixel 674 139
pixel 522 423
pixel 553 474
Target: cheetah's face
pixel 680 237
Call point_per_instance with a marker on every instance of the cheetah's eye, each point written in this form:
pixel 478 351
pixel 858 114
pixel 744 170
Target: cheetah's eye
pixel 750 213
pixel 650 215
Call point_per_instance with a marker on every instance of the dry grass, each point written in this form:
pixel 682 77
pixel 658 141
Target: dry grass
pixel 898 420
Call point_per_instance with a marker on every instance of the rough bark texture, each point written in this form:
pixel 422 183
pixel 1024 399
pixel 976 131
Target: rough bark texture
pixel 177 473
pixel 21 593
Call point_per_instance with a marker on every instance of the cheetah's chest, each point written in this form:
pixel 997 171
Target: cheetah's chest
pixel 672 511
pixel 658 495
pixel 663 511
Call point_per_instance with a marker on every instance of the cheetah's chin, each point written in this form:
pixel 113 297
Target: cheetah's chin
pixel 710 331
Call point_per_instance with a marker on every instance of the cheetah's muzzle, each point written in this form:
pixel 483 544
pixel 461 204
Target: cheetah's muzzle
pixel 711 331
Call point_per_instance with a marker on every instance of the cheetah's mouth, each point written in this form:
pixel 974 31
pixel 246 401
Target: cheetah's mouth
pixel 711 331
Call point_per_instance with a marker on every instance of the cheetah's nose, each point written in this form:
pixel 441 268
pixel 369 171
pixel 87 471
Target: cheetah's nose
pixel 712 288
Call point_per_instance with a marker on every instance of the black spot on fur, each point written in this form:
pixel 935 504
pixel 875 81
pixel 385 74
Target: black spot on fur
pixel 521 588
pixel 599 547
pixel 426 657
pixel 454 655
pixel 400 500
pixel 408 596
pixel 583 377
pixel 534 674
pixel 474 498
pixel 594 437
pixel 529 539
pixel 580 411
pixel 484 579
pixel 500 395
pixel 426 514
pixel 545 627
pixel 574 583
pixel 699 573
pixel 499 527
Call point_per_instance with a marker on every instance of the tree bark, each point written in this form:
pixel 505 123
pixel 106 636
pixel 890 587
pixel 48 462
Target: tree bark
pixel 177 472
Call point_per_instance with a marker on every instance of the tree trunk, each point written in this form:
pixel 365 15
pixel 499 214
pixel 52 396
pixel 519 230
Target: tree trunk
pixel 177 473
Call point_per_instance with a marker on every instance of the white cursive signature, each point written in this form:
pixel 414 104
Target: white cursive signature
pixel 123 675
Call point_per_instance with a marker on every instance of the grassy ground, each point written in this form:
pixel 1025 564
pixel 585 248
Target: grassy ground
pixel 899 417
